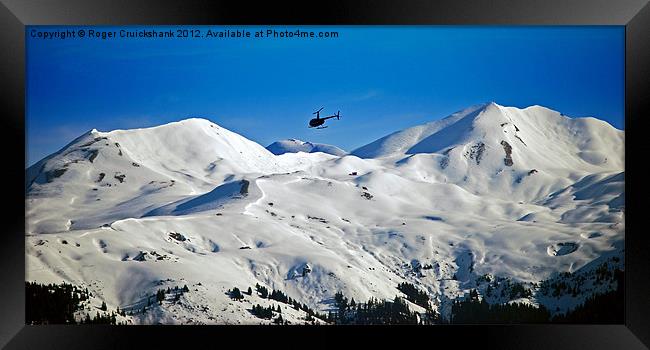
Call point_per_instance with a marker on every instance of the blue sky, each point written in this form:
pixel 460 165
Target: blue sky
pixel 383 79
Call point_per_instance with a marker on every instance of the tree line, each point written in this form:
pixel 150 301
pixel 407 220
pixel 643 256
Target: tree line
pixel 57 304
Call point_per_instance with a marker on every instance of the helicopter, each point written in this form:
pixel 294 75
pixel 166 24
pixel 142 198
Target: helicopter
pixel 318 121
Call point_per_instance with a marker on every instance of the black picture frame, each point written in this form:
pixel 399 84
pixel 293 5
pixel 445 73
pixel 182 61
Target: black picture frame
pixel 633 14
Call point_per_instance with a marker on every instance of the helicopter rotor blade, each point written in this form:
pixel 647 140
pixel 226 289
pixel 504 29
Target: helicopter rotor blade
pixel 318 110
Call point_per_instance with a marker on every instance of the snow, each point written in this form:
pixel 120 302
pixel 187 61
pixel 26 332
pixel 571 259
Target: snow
pixel 294 146
pixel 439 193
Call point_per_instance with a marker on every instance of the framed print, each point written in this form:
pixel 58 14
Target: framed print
pixel 370 170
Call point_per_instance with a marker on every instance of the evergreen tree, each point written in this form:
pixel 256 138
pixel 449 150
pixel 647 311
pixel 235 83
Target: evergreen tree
pixel 236 294
pixel 607 308
pixel 414 295
pixel 262 290
pixel 473 295
pixel 261 312
pixel 472 311
pixel 279 296
pixel 53 303
pixel 160 296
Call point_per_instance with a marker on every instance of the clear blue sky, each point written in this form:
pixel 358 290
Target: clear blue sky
pixel 383 79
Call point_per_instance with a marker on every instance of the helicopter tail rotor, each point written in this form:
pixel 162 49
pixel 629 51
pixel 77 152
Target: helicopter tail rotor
pixel 338 116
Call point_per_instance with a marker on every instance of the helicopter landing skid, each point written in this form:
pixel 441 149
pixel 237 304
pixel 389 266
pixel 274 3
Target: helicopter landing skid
pixel 321 127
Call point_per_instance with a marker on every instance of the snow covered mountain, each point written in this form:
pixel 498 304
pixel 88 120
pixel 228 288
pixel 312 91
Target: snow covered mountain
pixel 578 142
pixel 517 195
pixel 504 151
pixel 294 146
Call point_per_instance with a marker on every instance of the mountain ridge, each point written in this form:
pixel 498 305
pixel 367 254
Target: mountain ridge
pixel 295 145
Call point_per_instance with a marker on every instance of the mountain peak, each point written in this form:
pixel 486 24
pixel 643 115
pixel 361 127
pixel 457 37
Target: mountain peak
pixel 529 133
pixel 486 108
pixel 480 106
pixel 193 122
pixel 489 104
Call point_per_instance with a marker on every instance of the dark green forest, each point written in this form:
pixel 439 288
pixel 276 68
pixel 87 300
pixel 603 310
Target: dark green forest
pixel 57 304
pixel 607 308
